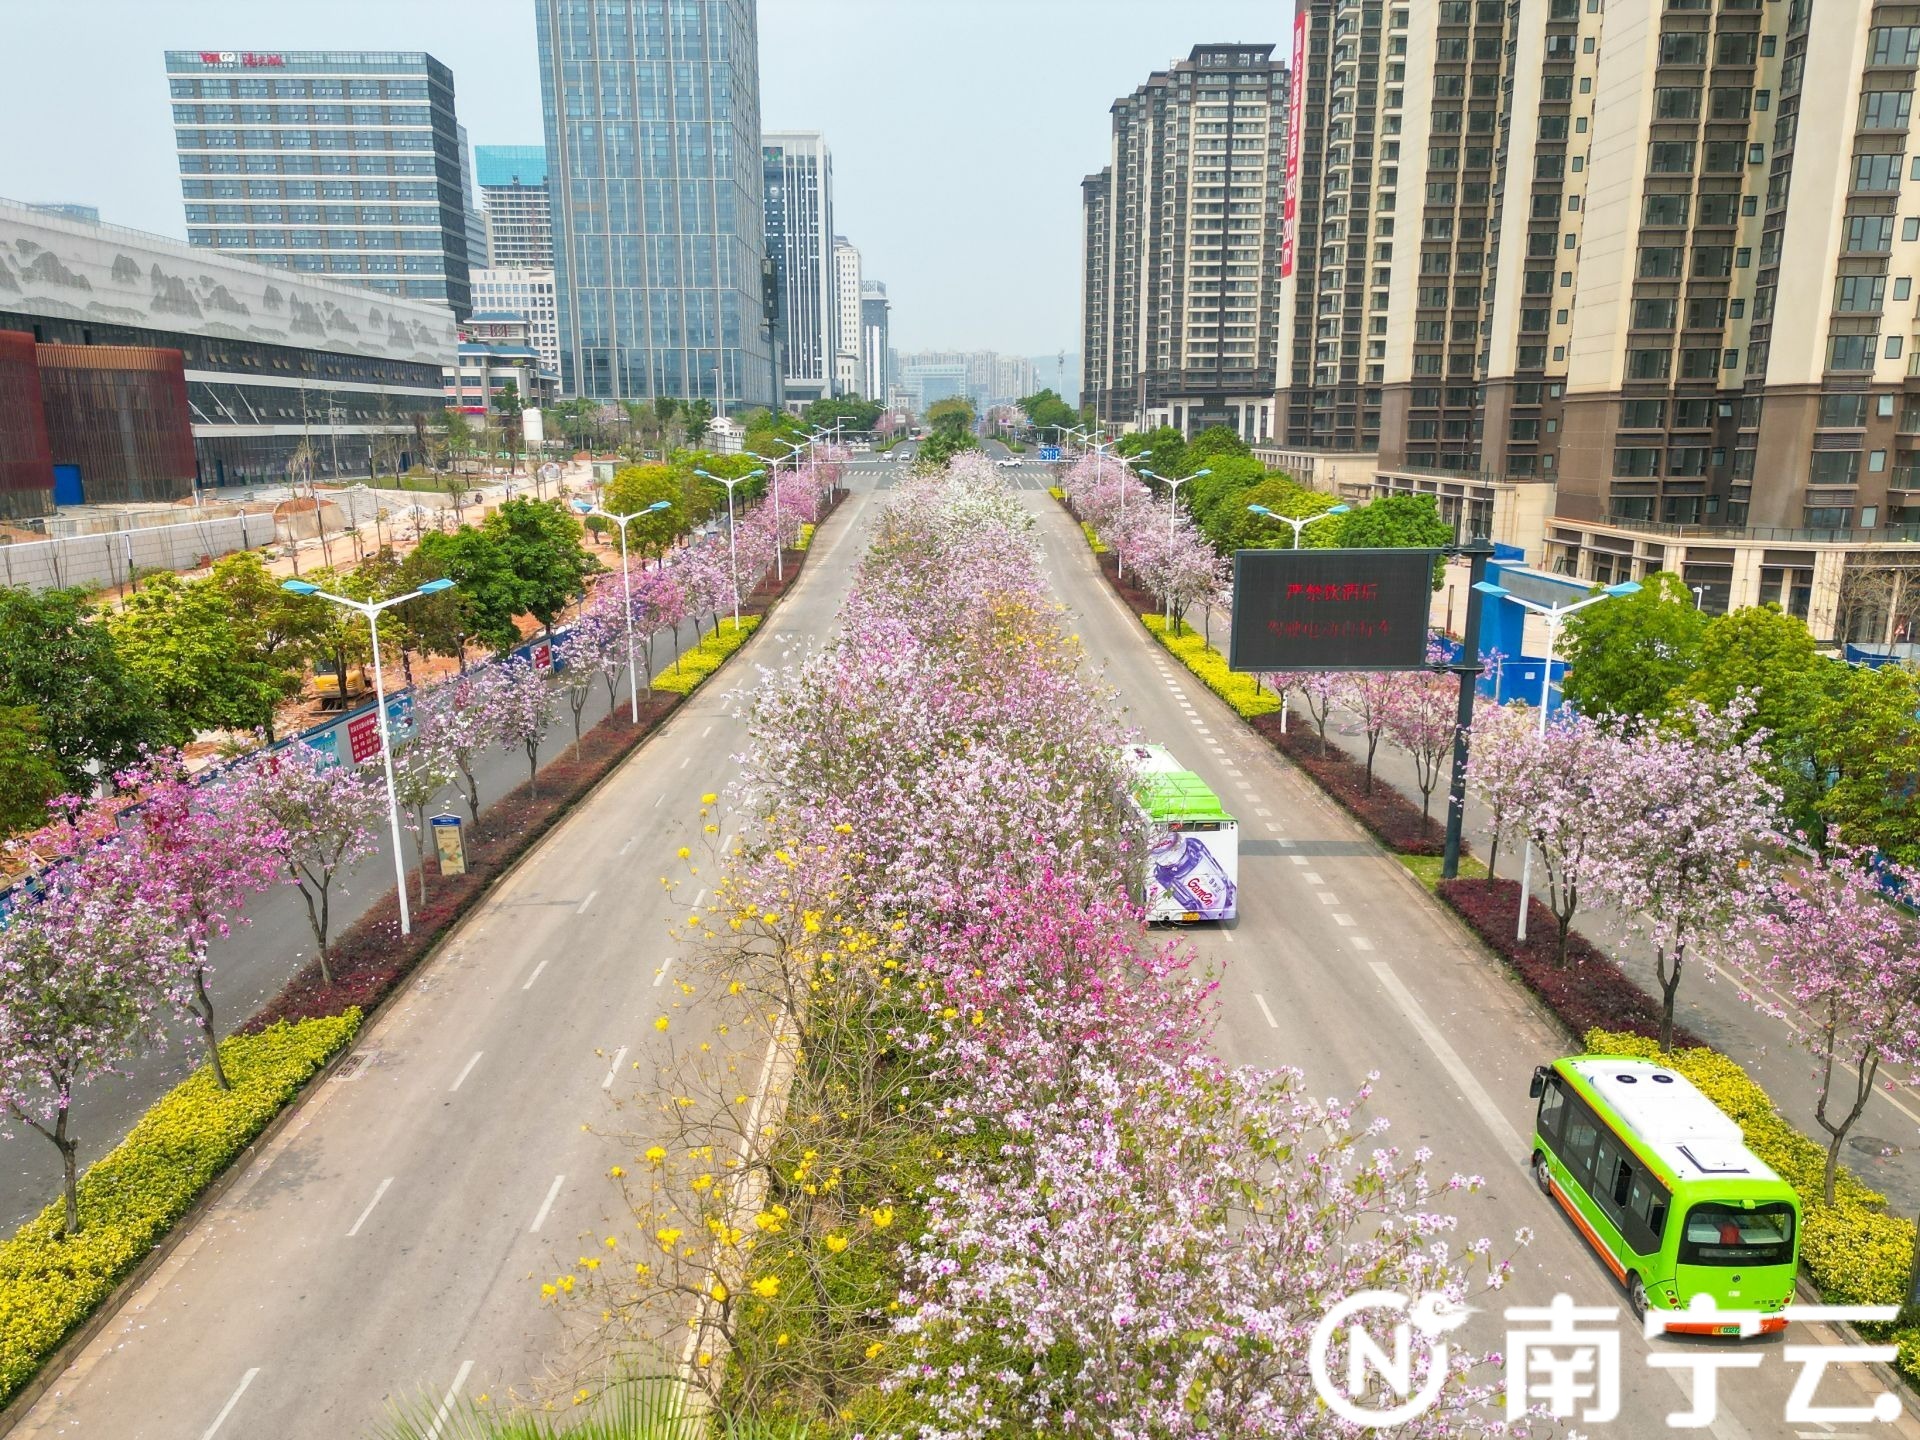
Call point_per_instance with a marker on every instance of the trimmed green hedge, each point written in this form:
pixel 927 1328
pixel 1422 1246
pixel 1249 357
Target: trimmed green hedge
pixel 1242 692
pixel 1056 492
pixel 1092 539
pixel 805 542
pixel 131 1196
pixel 1855 1252
pixel 706 657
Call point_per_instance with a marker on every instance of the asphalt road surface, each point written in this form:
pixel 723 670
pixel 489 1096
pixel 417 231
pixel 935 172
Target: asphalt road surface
pixel 392 1240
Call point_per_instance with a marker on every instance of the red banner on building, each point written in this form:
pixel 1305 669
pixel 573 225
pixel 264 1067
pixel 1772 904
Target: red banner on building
pixel 1296 120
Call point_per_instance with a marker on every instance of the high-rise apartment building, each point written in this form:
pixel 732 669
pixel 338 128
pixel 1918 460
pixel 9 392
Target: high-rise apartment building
pixel 519 217
pixel 848 370
pixel 652 118
pixel 797 185
pixel 337 163
pixel 1185 274
pixel 528 293
pixel 877 378
pixel 470 208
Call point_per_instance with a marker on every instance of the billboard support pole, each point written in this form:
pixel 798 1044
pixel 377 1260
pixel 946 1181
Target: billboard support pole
pixel 1476 552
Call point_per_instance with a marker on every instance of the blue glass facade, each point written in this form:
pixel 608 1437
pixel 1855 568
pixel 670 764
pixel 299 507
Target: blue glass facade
pixel 652 115
pixel 338 163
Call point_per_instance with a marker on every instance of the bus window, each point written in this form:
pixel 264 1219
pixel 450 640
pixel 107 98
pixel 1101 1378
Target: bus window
pixel 1609 1171
pixel 1553 1108
pixel 1583 1131
pixel 1646 1219
pixel 1722 1235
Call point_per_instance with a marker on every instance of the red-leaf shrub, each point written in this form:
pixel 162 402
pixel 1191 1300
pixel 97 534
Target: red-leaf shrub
pixel 1589 991
pixel 1391 818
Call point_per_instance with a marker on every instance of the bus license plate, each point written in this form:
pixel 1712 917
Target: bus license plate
pixel 1191 916
pixel 1726 1330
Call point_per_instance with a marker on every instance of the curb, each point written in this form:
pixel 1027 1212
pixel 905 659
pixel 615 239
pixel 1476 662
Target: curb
pixel 61 1358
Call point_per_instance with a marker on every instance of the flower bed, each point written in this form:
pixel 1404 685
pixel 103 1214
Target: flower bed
pixel 1854 1251
pixel 1588 992
pixel 130 1196
pixel 1092 539
pixel 708 656
pixel 1245 694
pixel 1388 816
pixel 806 538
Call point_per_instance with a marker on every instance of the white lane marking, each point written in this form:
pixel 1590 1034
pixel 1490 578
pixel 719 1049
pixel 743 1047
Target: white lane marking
pixel 629 845
pixel 1263 813
pixel 1275 828
pixel 726 846
pixel 1327 897
pixel 378 1192
pixel 1340 919
pixel 1311 877
pixel 1476 1096
pixel 535 976
pixel 1227 935
pixel 683 762
pixel 698 898
pixel 658 798
pixel 1360 942
pixel 553 1191
pixel 1265 1011
pixel 446 1405
pixel 661 973
pixel 232 1400
pixel 465 1070
pixel 1284 844
pixel 706 732
pixel 614 1068
pixel 586 902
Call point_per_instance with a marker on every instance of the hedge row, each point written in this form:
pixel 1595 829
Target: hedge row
pixel 706 657
pixel 133 1194
pixel 1855 1252
pixel 805 542
pixel 1588 992
pixel 1245 694
pixel 1387 815
pixel 1099 547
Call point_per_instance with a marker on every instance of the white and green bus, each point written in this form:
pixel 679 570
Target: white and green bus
pixel 1192 843
pixel 1662 1185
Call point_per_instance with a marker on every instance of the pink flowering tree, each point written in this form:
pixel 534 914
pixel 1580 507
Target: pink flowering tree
pixel 465 720
pixel 1421 716
pixel 1565 802
pixel 1686 854
pixel 1369 694
pixel 87 973
pixel 322 817
pixel 422 768
pixel 1846 960
pixel 595 649
pixel 660 599
pixel 206 849
pixel 1319 690
pixel 1503 769
pixel 525 713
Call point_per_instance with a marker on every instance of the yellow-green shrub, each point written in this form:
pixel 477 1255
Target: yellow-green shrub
pixel 1855 1252
pixel 133 1194
pixel 1092 539
pixel 1242 692
pixel 806 538
pixel 706 657
pixel 1056 492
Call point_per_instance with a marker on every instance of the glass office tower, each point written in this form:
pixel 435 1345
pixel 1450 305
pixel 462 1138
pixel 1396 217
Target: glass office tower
pixel 652 111
pixel 343 163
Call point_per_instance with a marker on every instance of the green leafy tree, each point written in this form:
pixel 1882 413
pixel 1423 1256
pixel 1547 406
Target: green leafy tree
pixel 540 540
pixel 1224 488
pixel 1771 656
pixel 485 597
pixel 29 770
pixel 635 487
pixel 697 415
pixel 1045 409
pixel 1866 749
pixel 857 413
pixel 940 447
pixel 271 626
pixel 1626 657
pixel 1214 441
pixel 95 709
pixel 339 640
pixel 508 406
pixel 1165 450
pixel 178 635
pixel 952 416
pixel 1397 522
pixel 453 433
pixel 1232 526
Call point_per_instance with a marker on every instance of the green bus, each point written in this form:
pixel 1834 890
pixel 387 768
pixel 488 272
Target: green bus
pixel 1661 1183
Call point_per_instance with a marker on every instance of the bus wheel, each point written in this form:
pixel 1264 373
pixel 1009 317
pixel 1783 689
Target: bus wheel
pixel 1543 1174
pixel 1636 1297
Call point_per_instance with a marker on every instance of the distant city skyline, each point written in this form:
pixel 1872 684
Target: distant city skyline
pixel 959 135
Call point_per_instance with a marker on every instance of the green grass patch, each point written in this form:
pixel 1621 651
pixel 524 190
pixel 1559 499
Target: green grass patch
pixel 134 1193
pixel 1426 868
pixel 706 657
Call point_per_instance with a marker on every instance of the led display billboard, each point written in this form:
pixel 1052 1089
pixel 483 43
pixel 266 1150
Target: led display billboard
pixel 1331 609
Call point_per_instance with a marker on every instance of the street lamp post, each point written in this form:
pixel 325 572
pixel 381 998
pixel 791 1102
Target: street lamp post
pixel 1699 596
pixel 1173 492
pixel 1298 525
pixel 626 585
pixel 1553 615
pixel 371 609
pixel 733 550
pixel 773 483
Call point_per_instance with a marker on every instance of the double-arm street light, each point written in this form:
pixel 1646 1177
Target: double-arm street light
pixel 1553 615
pixel 371 609
pixel 626 583
pixel 1298 525
pixel 733 551
pixel 1173 494
pixel 773 484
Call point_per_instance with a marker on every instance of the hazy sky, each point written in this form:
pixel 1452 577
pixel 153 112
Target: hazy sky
pixel 960 129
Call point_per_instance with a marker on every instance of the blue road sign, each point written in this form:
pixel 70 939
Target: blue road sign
pixel 1049 452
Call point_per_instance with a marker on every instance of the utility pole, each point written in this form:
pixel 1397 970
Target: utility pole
pixel 1477 552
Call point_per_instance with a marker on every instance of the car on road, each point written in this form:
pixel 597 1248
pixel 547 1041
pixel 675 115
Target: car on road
pixel 1008 463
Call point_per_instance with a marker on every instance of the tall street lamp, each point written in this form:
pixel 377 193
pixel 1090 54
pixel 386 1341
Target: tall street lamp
pixel 371 609
pixel 773 483
pixel 733 550
pixel 626 583
pixel 1298 525
pixel 1173 493
pixel 1553 615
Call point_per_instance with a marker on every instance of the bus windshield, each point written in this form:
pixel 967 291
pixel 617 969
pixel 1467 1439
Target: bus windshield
pixel 1723 1235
